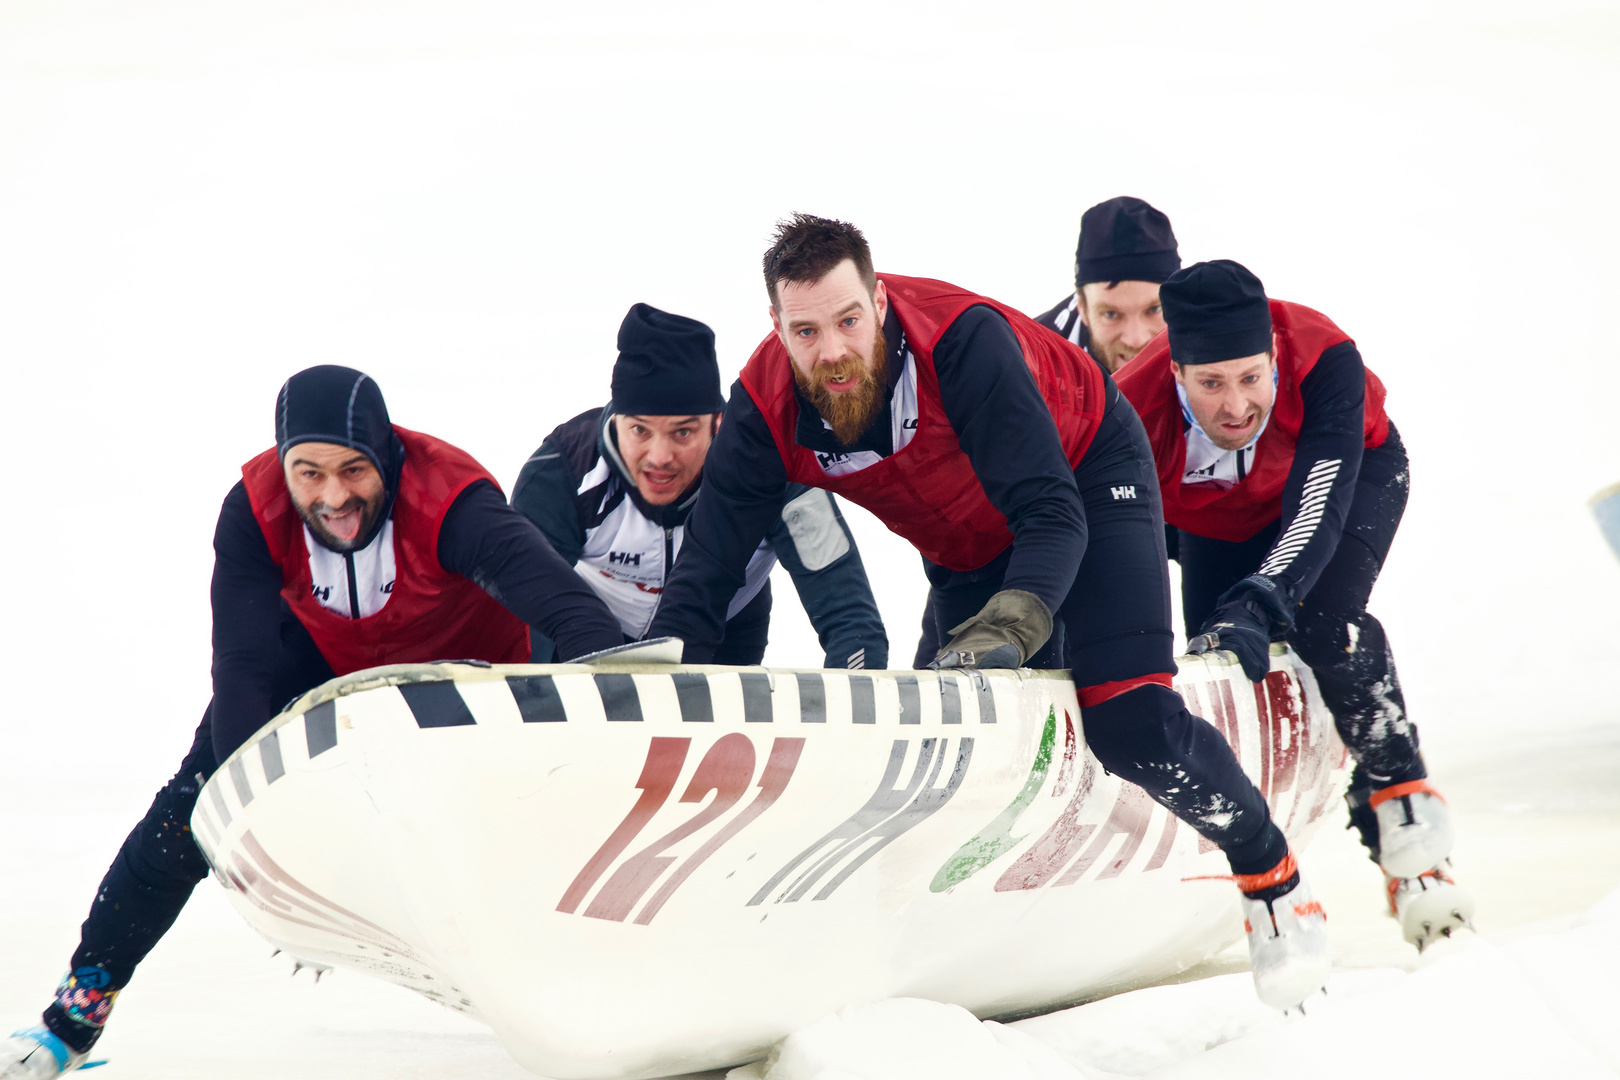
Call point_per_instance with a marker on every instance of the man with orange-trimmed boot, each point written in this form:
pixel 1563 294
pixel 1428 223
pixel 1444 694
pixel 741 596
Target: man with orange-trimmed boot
pixel 1008 458
pixel 1287 482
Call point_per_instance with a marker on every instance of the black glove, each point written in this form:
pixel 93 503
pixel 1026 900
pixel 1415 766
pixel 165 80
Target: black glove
pixel 1248 616
pixel 1005 633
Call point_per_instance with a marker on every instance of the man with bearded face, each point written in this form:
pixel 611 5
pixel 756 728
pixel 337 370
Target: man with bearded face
pixel 1287 482
pixel 350 544
pixel 1126 250
pixel 1007 456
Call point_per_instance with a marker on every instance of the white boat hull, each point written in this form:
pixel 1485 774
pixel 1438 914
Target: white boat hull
pixel 630 871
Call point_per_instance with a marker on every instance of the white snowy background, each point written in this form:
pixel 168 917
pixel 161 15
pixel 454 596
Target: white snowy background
pixel 462 198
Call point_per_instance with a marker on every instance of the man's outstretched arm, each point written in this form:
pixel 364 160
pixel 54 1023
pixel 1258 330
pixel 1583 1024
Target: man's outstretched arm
pixel 485 540
pixel 245 595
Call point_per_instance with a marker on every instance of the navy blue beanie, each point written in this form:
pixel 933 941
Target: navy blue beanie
pixel 666 366
pixel 332 404
pixel 1215 311
pixel 1125 239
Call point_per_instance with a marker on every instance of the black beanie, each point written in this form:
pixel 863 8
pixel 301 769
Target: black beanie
pixel 666 366
pixel 1215 311
pixel 340 405
pixel 1125 239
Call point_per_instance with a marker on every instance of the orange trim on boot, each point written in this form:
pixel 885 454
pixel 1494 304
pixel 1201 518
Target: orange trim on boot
pixel 1393 885
pixel 1395 791
pixel 1249 883
pixel 1278 874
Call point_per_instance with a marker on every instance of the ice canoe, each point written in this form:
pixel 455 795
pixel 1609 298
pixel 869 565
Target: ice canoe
pixel 632 870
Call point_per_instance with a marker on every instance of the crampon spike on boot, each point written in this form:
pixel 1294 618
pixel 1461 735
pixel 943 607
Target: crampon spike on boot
pixel 1429 906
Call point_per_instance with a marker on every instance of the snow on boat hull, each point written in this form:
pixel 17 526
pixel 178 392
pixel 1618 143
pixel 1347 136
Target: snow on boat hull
pixel 632 871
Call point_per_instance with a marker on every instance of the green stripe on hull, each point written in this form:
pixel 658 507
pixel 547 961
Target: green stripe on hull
pixel 996 838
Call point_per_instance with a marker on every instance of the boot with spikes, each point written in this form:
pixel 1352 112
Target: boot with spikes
pixel 1407 830
pixel 1414 828
pixel 1287 931
pixel 1429 906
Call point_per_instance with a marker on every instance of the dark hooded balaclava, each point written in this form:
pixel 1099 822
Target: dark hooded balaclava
pixel 332 404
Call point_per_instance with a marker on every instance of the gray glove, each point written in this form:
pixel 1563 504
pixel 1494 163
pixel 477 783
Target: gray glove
pixel 1005 633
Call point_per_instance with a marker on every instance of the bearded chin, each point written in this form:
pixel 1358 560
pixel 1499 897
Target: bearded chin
pixel 312 518
pixel 851 413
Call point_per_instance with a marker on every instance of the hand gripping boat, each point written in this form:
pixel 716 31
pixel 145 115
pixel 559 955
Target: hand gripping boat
pixel 632 869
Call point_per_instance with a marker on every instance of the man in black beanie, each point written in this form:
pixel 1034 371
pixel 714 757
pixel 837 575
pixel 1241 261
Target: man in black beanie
pixel 1287 481
pixel 350 544
pixel 612 489
pixel 1126 251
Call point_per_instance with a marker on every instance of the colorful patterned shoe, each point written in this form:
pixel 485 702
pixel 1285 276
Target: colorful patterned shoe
pixel 1287 929
pixel 1429 906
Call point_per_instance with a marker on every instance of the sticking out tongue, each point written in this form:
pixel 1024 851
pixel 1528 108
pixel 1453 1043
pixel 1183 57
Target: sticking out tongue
pixel 344 524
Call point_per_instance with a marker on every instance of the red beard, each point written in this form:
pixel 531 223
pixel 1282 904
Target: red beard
pixel 850 412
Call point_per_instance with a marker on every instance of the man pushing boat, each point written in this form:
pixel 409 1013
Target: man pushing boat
pixel 349 544
pixel 1287 482
pixel 1013 464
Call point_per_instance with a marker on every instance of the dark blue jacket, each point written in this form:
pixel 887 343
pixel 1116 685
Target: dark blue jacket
pixel 576 489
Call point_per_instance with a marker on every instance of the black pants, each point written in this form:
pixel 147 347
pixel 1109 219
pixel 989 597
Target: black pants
pixel 1333 633
pixel 159 864
pixel 1114 626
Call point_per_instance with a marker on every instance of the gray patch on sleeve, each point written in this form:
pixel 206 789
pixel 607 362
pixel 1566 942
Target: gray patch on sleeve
pixel 814 527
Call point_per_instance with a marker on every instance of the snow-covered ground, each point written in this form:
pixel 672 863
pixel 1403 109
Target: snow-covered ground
pixel 463 198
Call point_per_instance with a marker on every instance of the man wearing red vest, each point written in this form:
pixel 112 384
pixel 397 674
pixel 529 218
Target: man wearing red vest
pixel 352 543
pixel 1007 456
pixel 1126 250
pixel 1287 482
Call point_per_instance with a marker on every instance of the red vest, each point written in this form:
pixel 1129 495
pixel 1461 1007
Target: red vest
pixel 432 614
pixel 928 492
pixel 1238 512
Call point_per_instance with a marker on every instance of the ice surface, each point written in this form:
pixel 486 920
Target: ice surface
pixel 463 198
pixel 1540 1004
pixel 905 1037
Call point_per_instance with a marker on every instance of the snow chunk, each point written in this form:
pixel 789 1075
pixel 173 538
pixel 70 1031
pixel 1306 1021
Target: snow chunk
pixel 909 1039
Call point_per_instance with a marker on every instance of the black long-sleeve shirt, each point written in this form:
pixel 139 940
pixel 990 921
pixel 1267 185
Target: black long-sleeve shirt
pixel 1327 460
pixel 1001 422
pixel 263 656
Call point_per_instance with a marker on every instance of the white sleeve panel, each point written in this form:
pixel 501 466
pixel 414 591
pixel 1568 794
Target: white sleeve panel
pixel 817 536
